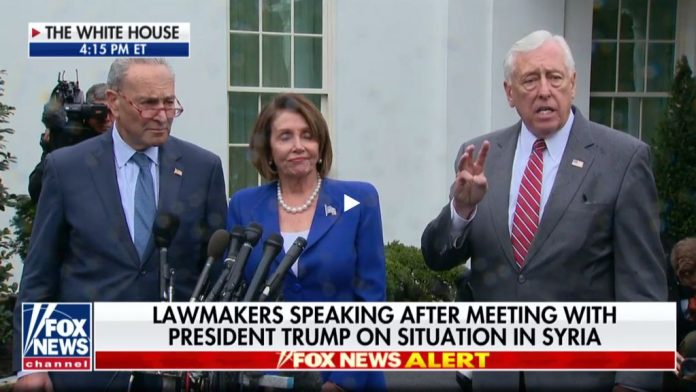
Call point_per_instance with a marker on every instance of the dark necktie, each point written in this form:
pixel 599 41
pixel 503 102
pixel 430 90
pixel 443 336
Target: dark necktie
pixel 144 204
pixel 526 218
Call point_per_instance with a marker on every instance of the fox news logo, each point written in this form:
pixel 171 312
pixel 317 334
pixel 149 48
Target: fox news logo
pixel 57 337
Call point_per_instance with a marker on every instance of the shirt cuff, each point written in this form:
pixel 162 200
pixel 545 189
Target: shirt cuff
pixel 458 225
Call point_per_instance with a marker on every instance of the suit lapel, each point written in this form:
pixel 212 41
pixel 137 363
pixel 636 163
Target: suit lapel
pixel 103 171
pixel 328 211
pixel 499 178
pixel 171 173
pixel 568 181
pixel 265 211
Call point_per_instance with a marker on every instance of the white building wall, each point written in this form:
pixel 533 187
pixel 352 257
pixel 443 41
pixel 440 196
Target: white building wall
pixel 391 105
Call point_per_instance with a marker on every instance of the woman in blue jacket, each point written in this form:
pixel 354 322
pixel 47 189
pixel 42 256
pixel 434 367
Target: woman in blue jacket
pixel 344 256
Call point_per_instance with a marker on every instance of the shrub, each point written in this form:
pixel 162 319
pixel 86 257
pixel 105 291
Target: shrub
pixel 409 279
pixel 674 149
pixel 7 244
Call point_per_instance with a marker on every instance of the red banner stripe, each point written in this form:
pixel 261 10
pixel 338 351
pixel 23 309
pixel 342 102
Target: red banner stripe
pixel 499 360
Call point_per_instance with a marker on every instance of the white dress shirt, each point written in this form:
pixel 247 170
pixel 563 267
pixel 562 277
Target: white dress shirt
pixel 127 176
pixel 555 146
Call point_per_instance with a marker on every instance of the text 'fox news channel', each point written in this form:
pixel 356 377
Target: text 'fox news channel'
pixel 109 39
pixel 345 336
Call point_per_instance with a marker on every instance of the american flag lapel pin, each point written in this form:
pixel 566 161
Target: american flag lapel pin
pixel 329 210
pixel 578 163
pixel 178 172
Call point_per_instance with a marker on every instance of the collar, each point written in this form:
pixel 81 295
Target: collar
pixel 124 152
pixel 555 144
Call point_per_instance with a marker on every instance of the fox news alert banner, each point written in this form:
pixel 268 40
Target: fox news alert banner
pixel 109 39
pixel 342 336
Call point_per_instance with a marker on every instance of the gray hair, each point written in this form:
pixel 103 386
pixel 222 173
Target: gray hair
pixel 120 66
pixel 531 42
pixel 96 93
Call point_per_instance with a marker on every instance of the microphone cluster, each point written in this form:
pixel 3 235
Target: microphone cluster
pixel 238 244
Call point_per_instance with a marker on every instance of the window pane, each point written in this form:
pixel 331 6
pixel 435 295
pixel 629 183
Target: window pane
pixel 243 108
pixel 631 60
pixel 653 113
pixel 603 77
pixel 660 66
pixel 244 59
pixel 663 19
pixel 604 19
pixel 266 99
pixel 308 62
pixel 600 110
pixel 244 15
pixel 627 115
pixel 276 15
pixel 276 61
pixel 308 16
pixel 242 173
pixel 633 19
pixel 620 115
pixel 315 99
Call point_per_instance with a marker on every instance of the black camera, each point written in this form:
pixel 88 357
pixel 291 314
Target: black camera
pixel 66 115
pixel 688 368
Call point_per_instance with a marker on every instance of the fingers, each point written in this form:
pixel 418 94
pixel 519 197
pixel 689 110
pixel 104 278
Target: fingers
pixel 467 163
pixel 483 153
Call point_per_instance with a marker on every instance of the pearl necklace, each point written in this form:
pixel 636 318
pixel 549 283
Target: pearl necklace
pixel 303 207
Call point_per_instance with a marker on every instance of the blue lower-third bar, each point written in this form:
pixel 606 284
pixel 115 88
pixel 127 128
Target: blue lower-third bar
pixel 108 49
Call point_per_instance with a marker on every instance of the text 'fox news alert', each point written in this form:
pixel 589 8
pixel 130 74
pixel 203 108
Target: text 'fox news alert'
pixel 109 39
pixel 57 336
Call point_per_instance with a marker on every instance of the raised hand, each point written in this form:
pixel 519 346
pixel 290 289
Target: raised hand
pixel 470 184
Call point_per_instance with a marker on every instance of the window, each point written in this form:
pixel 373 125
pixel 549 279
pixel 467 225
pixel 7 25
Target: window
pixel 633 58
pixel 275 46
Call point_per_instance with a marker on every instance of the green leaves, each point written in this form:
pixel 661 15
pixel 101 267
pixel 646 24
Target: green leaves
pixel 409 279
pixel 674 148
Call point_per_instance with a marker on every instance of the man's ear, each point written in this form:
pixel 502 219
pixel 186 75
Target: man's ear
pixel 112 102
pixel 508 93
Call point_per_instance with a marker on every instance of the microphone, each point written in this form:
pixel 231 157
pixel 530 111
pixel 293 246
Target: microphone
pixel 237 234
pixel 163 229
pixel 216 247
pixel 276 279
pixel 271 248
pixel 252 234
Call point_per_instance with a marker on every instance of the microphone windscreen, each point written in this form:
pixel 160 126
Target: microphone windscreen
pixel 253 233
pixel 218 243
pixel 164 228
pixel 301 242
pixel 236 240
pixel 275 240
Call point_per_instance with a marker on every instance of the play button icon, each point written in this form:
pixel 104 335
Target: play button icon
pixel 349 202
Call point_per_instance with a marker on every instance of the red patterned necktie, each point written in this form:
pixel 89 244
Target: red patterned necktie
pixel 526 218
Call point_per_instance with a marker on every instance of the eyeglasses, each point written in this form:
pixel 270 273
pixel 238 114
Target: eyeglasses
pixel 148 111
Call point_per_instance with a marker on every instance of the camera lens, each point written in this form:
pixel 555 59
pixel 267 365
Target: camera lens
pixel 689 367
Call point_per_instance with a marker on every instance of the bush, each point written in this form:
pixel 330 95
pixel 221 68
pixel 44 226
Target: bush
pixel 674 149
pixel 409 279
pixel 7 244
pixel 22 222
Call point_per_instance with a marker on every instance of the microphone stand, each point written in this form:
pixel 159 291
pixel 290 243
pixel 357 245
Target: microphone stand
pixel 171 381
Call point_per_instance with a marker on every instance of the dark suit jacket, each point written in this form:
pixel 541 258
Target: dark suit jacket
pixel 343 259
pixel 81 249
pixel 597 240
